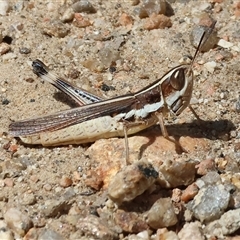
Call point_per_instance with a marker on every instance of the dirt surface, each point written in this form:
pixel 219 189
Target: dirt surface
pixel 33 178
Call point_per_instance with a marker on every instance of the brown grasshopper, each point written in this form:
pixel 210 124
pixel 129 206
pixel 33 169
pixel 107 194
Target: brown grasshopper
pixel 121 116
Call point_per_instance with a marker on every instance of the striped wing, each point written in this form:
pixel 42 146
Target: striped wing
pixel 71 117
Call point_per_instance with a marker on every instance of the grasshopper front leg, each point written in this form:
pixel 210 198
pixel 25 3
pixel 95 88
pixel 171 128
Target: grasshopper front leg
pixel 165 132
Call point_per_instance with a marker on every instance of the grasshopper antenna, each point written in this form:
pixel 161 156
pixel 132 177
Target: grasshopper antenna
pixel 202 41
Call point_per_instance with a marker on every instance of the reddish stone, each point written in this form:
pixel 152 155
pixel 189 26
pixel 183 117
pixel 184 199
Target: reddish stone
pixel 125 20
pixel 80 21
pixel 130 222
pixel 189 193
pixel 157 21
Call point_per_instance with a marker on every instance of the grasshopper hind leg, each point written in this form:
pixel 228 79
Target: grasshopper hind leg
pixel 138 126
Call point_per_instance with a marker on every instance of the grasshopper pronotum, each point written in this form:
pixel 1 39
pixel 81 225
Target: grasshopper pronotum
pixel 96 118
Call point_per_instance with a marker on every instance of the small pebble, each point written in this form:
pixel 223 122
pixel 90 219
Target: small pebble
pixel 51 6
pixel 130 221
pixel 235 48
pixel 204 18
pixel 210 202
pixel 227 55
pixel 68 15
pixel 34 178
pixel 95 228
pixel 185 60
pixel 150 7
pixel 50 234
pixel 237 147
pixel 225 226
pixel 210 178
pixel 224 44
pixel 210 66
pixel 143 235
pixel 65 182
pixel 28 199
pixel 4 7
pixel 47 187
pixel 17 221
pixel 135 2
pixel 2 184
pixel 106 88
pixel 76 176
pixel 29 80
pixel 163 233
pixel 204 6
pixel 189 193
pixel 94 181
pixel 5 101
pixel 157 22
pixel 191 231
pixel 162 214
pixel 112 69
pixel 19 6
pixel 8 182
pixel 18 26
pixel 237 5
pixel 81 21
pixel 233 134
pixel 5 232
pixel 125 19
pixel 196 35
pixel 9 56
pixel 55 28
pixel 131 181
pixel 205 166
pixel 218 8
pixel 108 54
pixel 53 208
pixel 4 48
pixel 93 65
pixel 177 173
pixel 24 50
pixel 73 73
pixel 83 6
pixel 176 195
pixel 58 189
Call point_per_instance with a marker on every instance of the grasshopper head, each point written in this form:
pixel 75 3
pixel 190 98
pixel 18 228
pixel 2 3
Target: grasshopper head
pixel 177 84
pixel 177 88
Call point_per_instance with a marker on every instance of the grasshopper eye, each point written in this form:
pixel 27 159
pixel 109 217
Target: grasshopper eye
pixel 177 79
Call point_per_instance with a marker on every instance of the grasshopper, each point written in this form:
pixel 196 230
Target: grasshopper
pixel 96 118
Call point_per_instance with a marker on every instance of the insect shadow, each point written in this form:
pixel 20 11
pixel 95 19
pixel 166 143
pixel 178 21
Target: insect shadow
pixel 219 129
pixel 67 100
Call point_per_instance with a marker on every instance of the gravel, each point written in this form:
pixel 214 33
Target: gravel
pixel 114 48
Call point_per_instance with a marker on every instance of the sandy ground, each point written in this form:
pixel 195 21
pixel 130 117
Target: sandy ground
pixel 144 55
